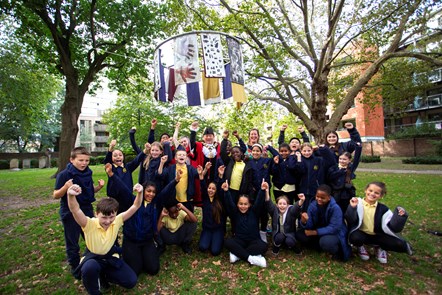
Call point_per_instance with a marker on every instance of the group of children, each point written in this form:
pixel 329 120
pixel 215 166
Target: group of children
pixel 315 203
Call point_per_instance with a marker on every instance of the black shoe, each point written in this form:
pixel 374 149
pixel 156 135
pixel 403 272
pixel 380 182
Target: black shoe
pixel 186 248
pixel 275 250
pixel 297 250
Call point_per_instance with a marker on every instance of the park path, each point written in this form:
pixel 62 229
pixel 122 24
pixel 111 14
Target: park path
pixel 437 172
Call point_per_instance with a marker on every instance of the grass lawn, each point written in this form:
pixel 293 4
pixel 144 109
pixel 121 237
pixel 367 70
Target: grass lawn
pixel 33 258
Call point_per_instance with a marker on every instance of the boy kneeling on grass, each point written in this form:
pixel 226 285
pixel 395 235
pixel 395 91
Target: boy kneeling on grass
pixel 372 223
pixel 102 264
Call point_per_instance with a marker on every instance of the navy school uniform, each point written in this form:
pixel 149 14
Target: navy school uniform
pixel 72 230
pixel 348 146
pixel 138 150
pixel 150 174
pixel 285 173
pixel 139 232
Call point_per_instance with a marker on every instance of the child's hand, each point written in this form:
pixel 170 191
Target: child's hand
pixel 138 188
pixel 354 202
pixel 194 125
pixel 226 134
pixel 264 185
pixel 164 159
pixel 69 183
pixel 153 123
pixel 298 155
pixel 304 217
pixel 179 206
pixel 113 143
pixel 221 169
pixel 284 127
pixel 401 211
pixel 235 133
pixel 348 125
pixel 315 148
pixel 74 190
pixel 199 169
pixel 301 129
pixel 301 199
pixel 276 159
pixel 208 165
pixel 164 212
pixel 147 146
pixel 101 182
pixel 225 186
pixel 179 173
pixel 133 129
pixel 178 125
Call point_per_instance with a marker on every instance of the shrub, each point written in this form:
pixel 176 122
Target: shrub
pixel 438 145
pixel 424 130
pixel 370 159
pixel 4 164
pixel 129 157
pixel 423 160
pixel 54 162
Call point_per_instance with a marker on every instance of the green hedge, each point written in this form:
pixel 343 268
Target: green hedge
pixel 4 164
pixel 423 160
pixel 370 159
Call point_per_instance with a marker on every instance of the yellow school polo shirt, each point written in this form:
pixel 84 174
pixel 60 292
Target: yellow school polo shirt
pixel 367 225
pixel 174 224
pixel 98 240
pixel 237 172
pixel 181 187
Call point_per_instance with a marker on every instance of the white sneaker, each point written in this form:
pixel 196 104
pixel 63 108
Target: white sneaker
pixel 381 255
pixel 233 258
pixel 363 254
pixel 257 260
pixel 263 236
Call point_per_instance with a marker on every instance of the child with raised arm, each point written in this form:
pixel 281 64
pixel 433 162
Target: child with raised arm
pixel 76 172
pixel 332 141
pixel 185 189
pixel 373 223
pixel 294 142
pixel 284 176
pixel 102 261
pixel 177 225
pixel 140 234
pixel 123 170
pixel 340 177
pixel 322 226
pixel 214 219
pixel 284 216
pixel 246 244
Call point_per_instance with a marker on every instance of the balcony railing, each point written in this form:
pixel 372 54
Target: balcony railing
pixel 100 127
pixel 101 139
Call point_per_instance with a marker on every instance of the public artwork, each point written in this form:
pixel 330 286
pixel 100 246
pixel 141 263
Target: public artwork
pixel 213 56
pixel 236 64
pixel 186 66
pixel 222 78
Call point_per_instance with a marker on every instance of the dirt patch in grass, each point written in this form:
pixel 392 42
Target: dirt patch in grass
pixel 10 203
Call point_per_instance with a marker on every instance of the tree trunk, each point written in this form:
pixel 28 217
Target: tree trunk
pixel 70 111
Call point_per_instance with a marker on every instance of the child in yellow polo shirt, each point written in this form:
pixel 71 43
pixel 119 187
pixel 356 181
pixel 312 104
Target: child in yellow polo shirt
pixel 373 223
pixel 177 225
pixel 102 261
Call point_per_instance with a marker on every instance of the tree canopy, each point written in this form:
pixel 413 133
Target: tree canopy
pixel 80 40
pixel 294 49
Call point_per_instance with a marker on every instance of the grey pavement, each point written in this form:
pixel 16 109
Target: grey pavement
pixel 437 172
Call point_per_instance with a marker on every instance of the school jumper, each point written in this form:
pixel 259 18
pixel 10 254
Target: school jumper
pixel 387 226
pixel 212 234
pixel 285 173
pixel 246 240
pixel 72 230
pixel 139 232
pixel 284 234
pixel 332 232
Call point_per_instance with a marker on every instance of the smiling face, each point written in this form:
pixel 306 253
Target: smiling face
pixel 164 137
pixel 294 144
pixel 322 198
pixel 253 136
pixel 243 204
pixel 181 157
pixel 284 152
pixel 282 205
pixel 236 154
pixel 307 151
pixel 211 190
pixel 184 141
pixel 256 152
pixel 373 193
pixel 106 220
pixel 332 139
pixel 344 160
pixel 149 193
pixel 208 138
pixel 155 151
pixel 80 161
